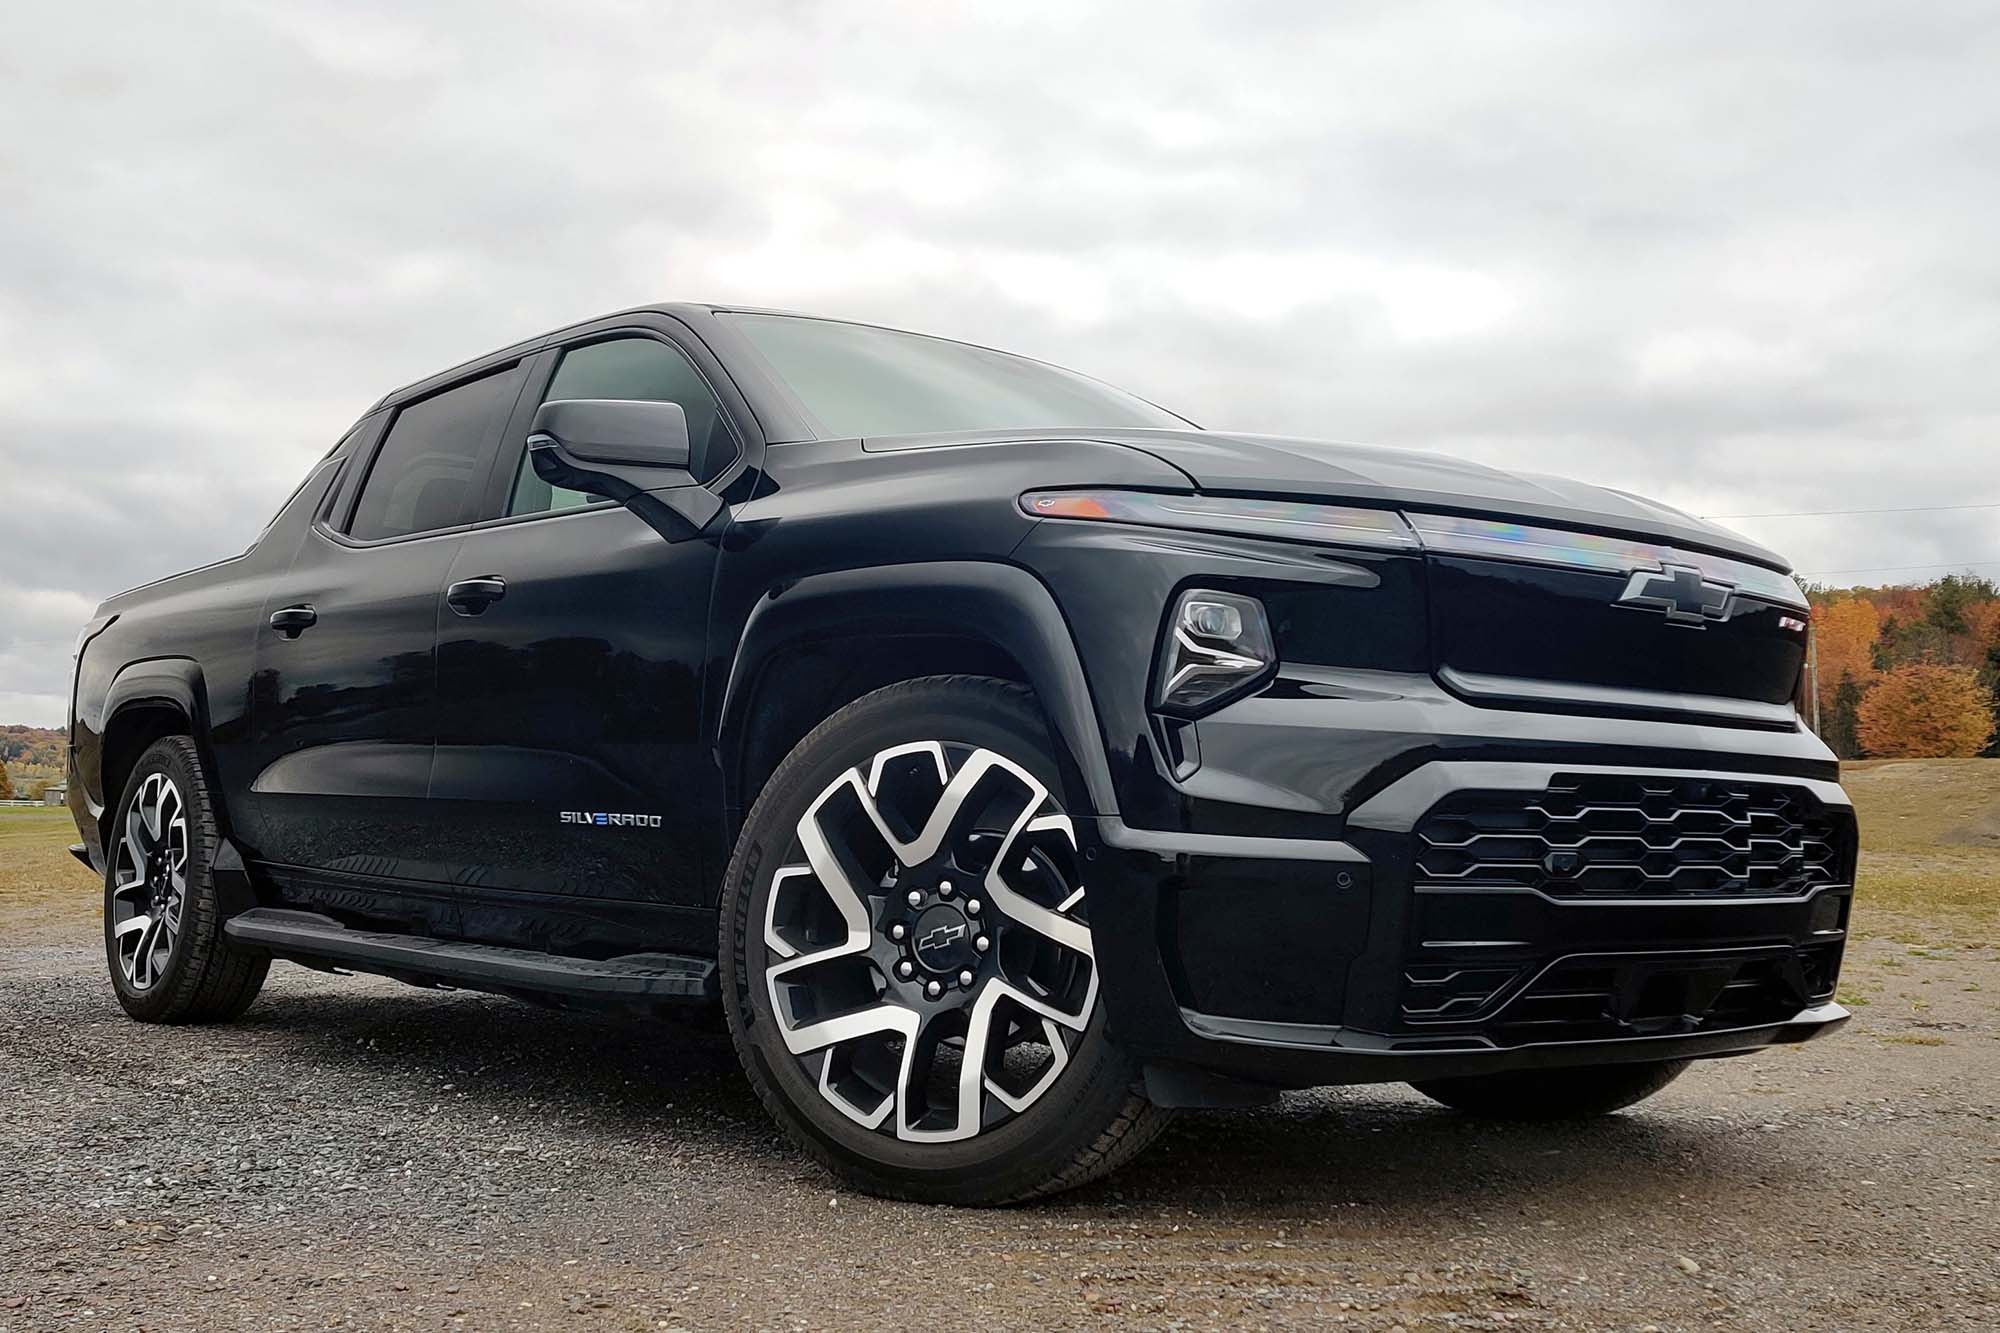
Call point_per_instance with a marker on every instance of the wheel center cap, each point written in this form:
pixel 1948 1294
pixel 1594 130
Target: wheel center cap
pixel 942 939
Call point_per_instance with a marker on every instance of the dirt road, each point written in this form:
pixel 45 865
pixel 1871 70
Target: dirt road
pixel 359 1154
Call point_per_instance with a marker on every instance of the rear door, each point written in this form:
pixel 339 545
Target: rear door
pixel 344 697
pixel 570 761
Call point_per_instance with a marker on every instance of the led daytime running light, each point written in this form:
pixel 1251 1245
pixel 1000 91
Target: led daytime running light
pixel 1385 529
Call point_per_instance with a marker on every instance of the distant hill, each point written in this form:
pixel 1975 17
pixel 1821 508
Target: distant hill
pixel 32 747
pixel 33 756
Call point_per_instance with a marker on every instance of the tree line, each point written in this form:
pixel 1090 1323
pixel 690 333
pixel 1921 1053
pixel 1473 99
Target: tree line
pixel 30 759
pixel 1907 671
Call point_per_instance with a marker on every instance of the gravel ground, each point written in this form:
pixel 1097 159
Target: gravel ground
pixel 358 1154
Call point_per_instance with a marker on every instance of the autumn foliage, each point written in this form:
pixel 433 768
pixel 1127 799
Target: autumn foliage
pixel 1846 631
pixel 1927 711
pixel 1909 671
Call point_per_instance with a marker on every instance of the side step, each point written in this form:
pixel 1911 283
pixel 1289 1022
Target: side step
pixel 643 977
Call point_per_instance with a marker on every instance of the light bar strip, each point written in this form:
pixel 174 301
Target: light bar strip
pixel 1496 539
pixel 1385 529
pixel 1338 525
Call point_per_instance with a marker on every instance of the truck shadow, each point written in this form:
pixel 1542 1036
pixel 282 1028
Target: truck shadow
pixel 603 1082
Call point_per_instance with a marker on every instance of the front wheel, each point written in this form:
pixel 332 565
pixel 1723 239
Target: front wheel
pixel 1553 1094
pixel 907 959
pixel 163 940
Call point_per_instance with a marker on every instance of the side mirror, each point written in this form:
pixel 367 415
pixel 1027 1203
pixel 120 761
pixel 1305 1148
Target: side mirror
pixel 636 453
pixel 615 431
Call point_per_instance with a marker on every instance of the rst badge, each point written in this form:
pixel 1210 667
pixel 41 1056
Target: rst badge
pixel 608 819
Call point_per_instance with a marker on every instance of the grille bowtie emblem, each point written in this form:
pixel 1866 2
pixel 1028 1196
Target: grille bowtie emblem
pixel 1680 592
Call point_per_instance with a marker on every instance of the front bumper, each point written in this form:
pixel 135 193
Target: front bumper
pixel 1295 962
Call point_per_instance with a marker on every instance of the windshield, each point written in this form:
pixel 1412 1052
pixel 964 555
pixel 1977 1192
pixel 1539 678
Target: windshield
pixel 858 380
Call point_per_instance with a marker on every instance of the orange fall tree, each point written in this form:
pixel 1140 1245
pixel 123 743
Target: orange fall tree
pixel 1926 710
pixel 1845 636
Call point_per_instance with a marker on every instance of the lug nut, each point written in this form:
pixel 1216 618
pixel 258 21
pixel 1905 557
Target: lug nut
pixel 897 931
pixel 906 969
pixel 916 899
pixel 982 944
pixel 965 977
pixel 934 989
pixel 944 888
pixel 972 906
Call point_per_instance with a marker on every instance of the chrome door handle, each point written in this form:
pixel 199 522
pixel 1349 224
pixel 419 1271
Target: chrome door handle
pixel 469 597
pixel 294 620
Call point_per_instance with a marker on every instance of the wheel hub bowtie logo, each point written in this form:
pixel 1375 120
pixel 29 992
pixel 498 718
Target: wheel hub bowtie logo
pixel 1682 593
pixel 941 937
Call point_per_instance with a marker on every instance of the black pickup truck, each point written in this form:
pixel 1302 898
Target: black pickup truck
pixel 1007 759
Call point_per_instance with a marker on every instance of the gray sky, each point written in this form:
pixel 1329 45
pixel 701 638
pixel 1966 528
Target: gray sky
pixel 1741 258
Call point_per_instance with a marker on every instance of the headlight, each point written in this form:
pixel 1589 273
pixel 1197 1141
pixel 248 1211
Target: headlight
pixel 1217 647
pixel 1334 525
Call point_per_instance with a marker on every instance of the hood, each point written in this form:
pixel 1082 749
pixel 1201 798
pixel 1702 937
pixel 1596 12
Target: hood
pixel 1407 479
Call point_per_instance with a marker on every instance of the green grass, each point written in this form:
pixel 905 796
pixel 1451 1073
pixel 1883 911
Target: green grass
pixel 39 880
pixel 1930 849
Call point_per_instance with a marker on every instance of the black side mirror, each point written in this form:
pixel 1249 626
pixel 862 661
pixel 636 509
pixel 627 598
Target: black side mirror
pixel 636 453
pixel 615 431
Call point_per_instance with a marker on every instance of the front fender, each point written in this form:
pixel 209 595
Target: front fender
pixel 1003 605
pixel 174 683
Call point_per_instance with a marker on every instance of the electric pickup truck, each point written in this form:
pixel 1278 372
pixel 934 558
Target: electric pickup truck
pixel 1005 760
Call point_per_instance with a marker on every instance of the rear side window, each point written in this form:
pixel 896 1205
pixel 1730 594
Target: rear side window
pixel 434 455
pixel 635 370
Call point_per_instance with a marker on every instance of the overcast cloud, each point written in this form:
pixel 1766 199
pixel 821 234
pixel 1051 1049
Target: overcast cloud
pixel 1741 258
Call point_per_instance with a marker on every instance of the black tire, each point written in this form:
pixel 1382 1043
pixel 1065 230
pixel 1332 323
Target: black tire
pixel 1553 1094
pixel 1091 1116
pixel 203 978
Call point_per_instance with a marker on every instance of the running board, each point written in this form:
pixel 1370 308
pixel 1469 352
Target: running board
pixel 661 978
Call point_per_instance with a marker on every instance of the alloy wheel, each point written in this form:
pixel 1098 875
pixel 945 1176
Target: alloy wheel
pixel 149 882
pixel 927 944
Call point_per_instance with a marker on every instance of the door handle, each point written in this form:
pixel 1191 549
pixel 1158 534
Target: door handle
pixel 294 620
pixel 469 597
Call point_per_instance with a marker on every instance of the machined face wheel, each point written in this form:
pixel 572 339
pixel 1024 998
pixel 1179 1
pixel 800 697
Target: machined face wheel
pixel 927 942
pixel 149 882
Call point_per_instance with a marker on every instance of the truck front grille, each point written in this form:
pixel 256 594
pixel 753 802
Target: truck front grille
pixel 1638 836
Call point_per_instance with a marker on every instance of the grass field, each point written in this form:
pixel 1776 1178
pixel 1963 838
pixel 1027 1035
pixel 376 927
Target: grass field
pixel 1930 860
pixel 1930 849
pixel 40 882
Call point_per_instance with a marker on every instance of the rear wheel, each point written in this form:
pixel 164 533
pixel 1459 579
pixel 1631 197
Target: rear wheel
pixel 907 959
pixel 1553 1094
pixel 163 940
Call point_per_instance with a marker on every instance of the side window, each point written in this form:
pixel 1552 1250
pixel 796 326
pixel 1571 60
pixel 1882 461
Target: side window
pixel 435 453
pixel 637 369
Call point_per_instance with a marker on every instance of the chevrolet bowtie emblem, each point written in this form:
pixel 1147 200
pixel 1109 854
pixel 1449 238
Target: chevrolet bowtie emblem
pixel 1680 592
pixel 940 936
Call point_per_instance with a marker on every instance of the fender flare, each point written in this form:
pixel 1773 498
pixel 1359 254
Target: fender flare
pixel 1003 605
pixel 176 682
pixel 172 680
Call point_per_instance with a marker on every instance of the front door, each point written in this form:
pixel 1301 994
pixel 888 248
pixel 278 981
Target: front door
pixel 570 766
pixel 344 695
